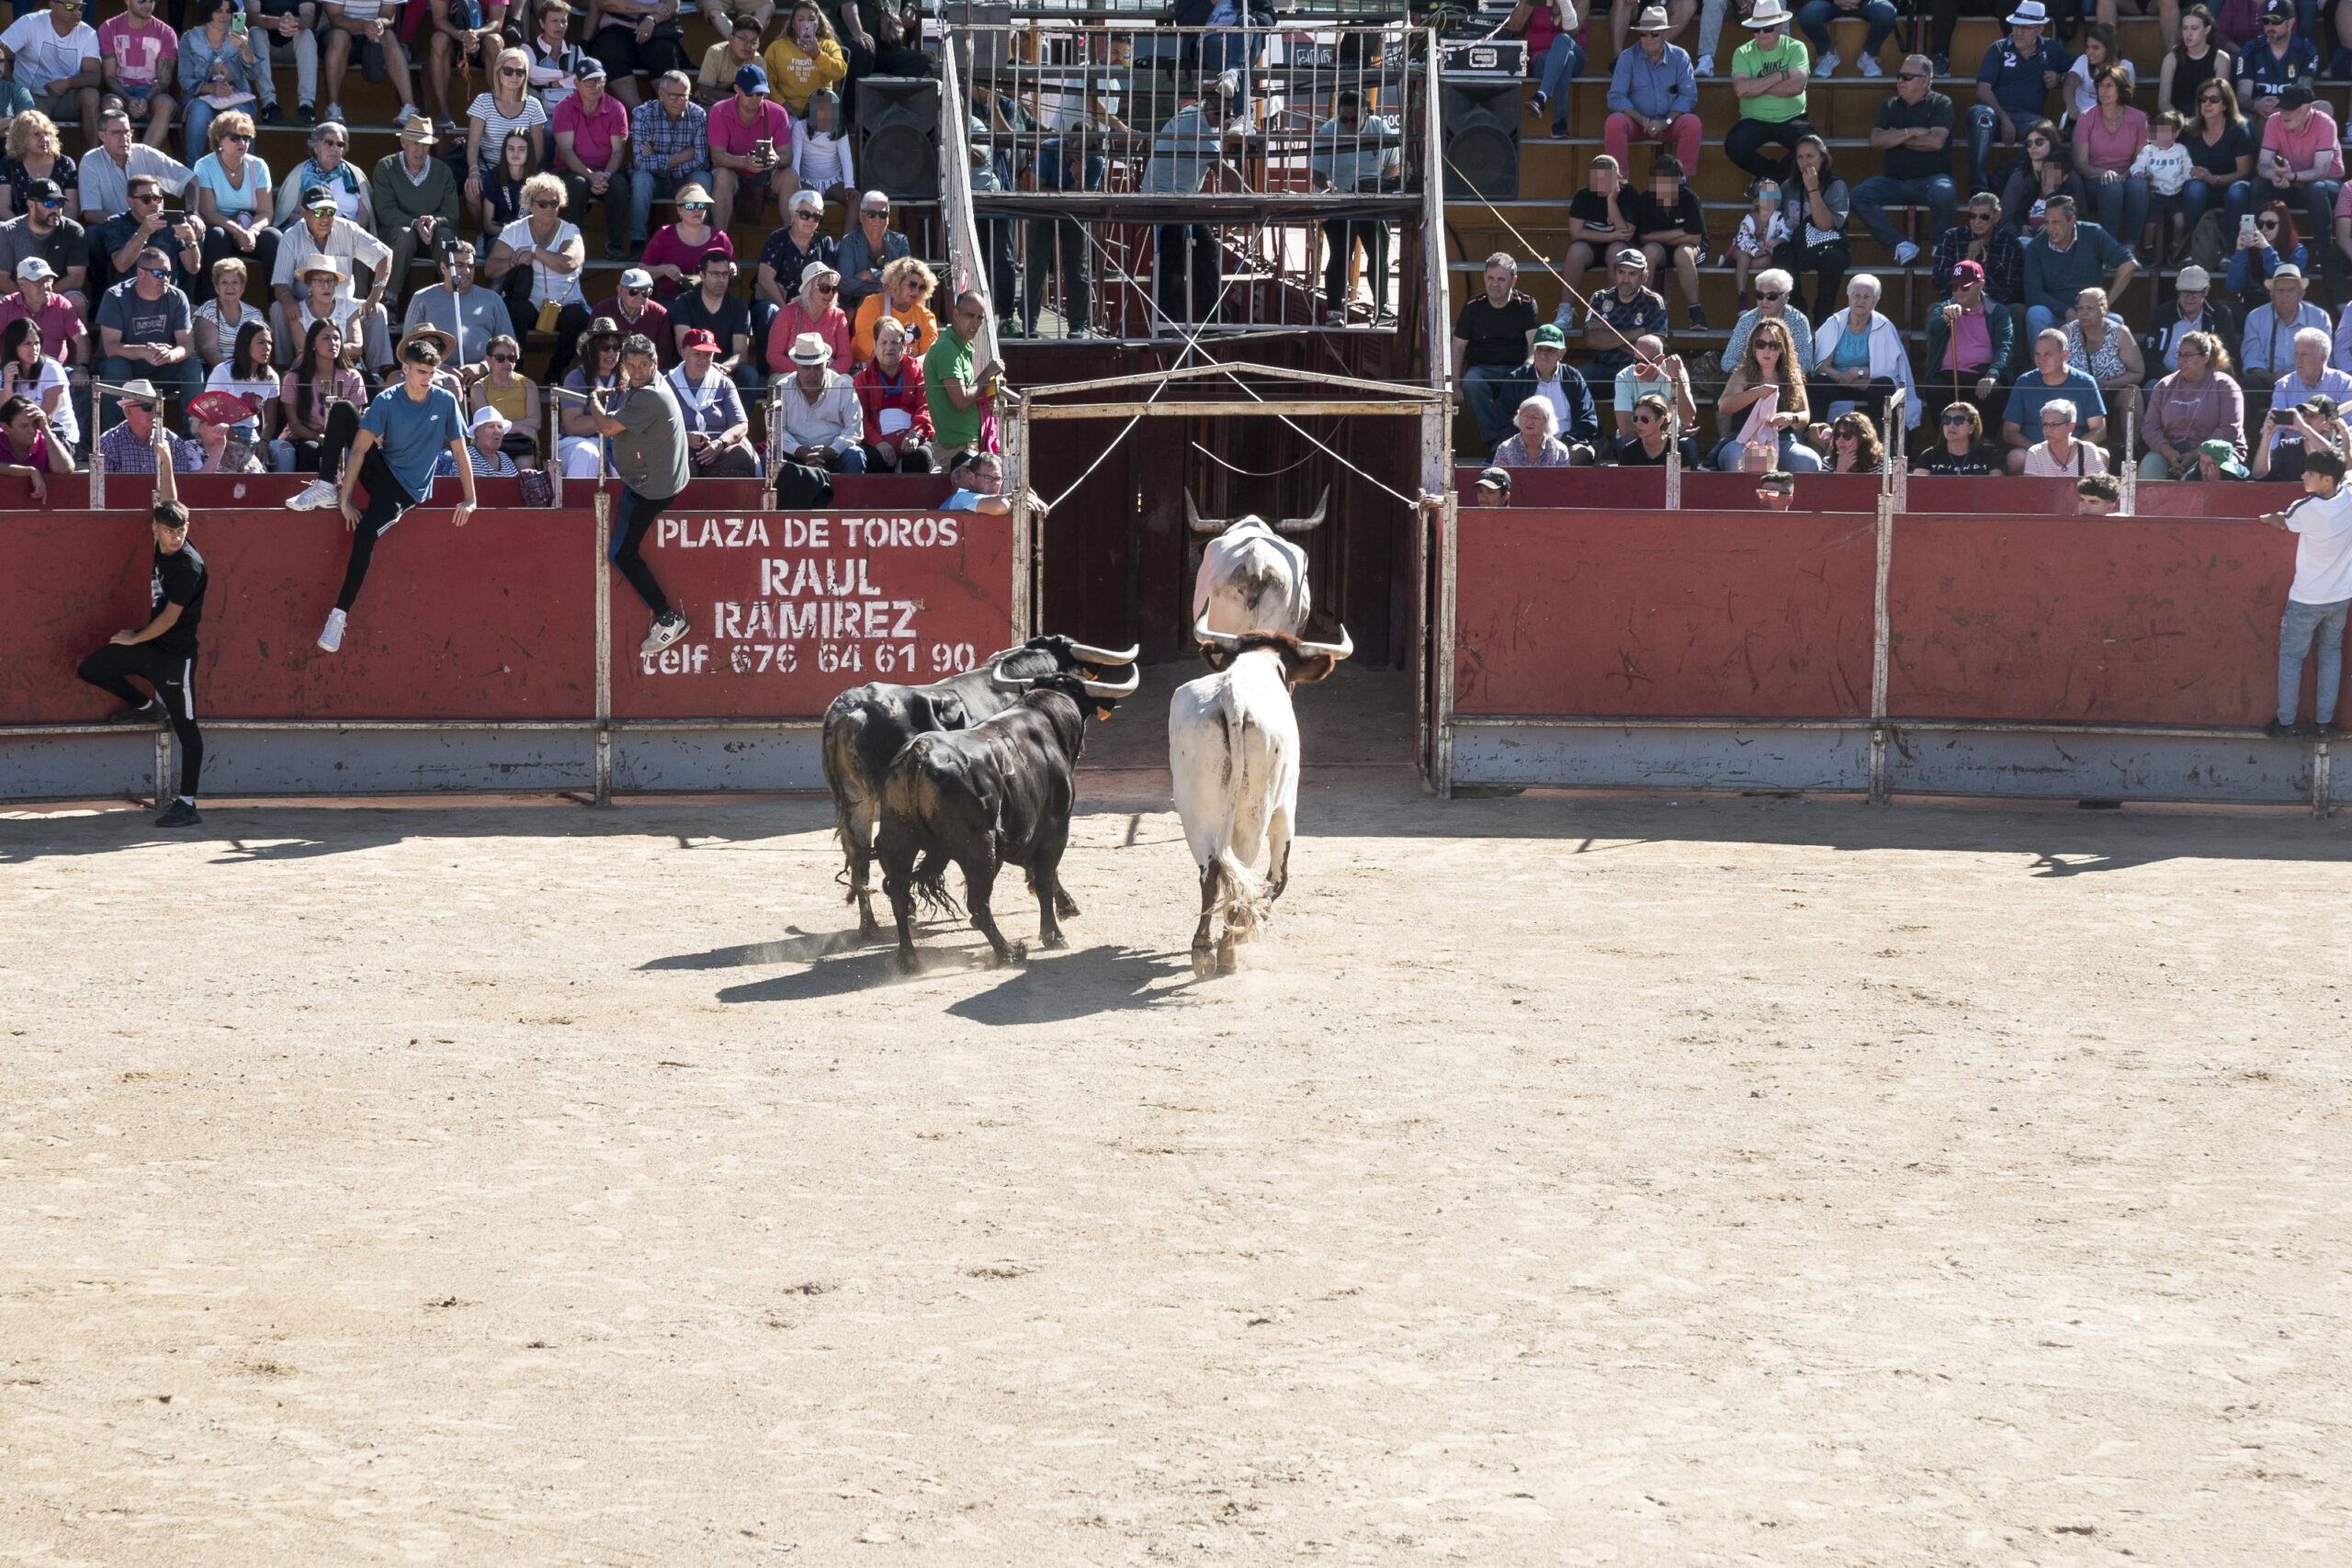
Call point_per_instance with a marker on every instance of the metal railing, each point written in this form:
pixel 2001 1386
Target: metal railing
pixel 1094 159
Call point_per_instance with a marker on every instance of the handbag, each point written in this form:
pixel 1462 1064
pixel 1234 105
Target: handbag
pixel 537 488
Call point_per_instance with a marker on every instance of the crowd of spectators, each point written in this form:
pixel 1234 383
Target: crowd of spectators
pixel 147 245
pixel 2109 285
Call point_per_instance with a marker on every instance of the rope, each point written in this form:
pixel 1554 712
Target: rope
pixel 1568 290
pixel 1249 473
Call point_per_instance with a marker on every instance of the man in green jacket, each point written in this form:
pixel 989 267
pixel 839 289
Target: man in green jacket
pixel 416 200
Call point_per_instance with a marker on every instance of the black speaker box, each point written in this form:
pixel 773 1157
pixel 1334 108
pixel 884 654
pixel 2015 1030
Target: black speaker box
pixel 898 137
pixel 1480 122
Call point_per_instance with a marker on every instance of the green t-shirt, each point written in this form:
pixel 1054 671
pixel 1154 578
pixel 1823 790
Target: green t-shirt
pixel 1749 61
pixel 950 356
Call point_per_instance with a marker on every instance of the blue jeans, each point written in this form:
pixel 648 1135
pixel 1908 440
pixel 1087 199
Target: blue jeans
pixel 1984 125
pixel 1562 63
pixel 1875 194
pixel 2123 208
pixel 2201 193
pixel 1484 388
pixel 644 184
pixel 2294 640
pixel 1815 15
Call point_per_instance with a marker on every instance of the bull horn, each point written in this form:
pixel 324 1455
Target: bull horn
pixel 1004 682
pixel 1105 689
pixel 1200 525
pixel 1306 524
pixel 1339 649
pixel 1086 655
pixel 1202 634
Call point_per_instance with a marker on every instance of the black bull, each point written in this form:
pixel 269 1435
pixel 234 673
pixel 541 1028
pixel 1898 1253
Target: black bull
pixel 997 794
pixel 866 726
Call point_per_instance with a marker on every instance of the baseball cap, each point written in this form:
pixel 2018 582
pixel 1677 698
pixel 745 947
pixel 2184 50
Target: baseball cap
pixel 33 266
pixel 589 66
pixel 1499 479
pixel 637 277
pixel 43 190
pixel 317 199
pixel 2297 95
pixel 700 337
pixel 751 79
pixel 1966 273
pixel 2224 455
pixel 1549 336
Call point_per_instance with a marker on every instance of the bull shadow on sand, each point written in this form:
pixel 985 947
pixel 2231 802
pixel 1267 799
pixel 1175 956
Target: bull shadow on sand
pixel 1050 987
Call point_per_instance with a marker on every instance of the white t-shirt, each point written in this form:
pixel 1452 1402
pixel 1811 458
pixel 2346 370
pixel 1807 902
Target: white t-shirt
pixel 42 56
pixel 2084 459
pixel 562 288
pixel 2322 548
pixel 61 418
pixel 227 330
pixel 258 390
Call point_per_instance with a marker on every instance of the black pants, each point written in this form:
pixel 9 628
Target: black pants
pixel 622 55
pixel 1190 263
pixel 1076 264
pixel 914 458
pixel 107 668
pixel 883 60
pixel 576 199
pixel 260 261
pixel 1747 139
pixel 386 501
pixel 573 319
pixel 1341 234
pixel 632 521
pixel 1871 400
pixel 1828 262
pixel 735 462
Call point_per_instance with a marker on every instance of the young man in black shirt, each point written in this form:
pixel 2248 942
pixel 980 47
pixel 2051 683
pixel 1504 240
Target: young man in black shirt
pixel 162 652
pixel 1672 228
pixel 1493 337
pixel 715 309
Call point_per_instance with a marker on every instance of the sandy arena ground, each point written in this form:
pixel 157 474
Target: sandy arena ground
pixel 1567 1181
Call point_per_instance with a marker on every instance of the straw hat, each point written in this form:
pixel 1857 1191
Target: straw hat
pixel 811 349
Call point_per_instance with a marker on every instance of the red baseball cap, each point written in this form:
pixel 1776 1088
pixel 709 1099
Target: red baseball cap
pixel 701 337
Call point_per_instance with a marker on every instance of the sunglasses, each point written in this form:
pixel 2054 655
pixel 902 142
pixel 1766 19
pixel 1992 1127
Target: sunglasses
pixel 144 196
pixel 156 271
pixel 1955 419
pixel 1771 294
pixel 2211 98
pixel 1982 218
pixel 544 206
pixel 332 142
pixel 628 290
pixel 828 288
pixel 1646 418
pixel 876 212
pixel 505 359
pixel 693 206
pixel 1911 76
pixel 511 71
pixel 46 202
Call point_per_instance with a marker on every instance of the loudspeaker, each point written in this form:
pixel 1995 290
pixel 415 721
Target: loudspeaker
pixel 898 137
pixel 1480 122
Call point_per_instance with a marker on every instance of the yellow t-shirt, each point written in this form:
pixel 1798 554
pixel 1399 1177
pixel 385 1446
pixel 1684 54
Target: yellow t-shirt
pixel 794 74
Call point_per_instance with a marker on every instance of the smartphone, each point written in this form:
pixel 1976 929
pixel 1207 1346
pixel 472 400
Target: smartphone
pixel 765 149
pixel 2245 225
pixel 171 219
pixel 237 24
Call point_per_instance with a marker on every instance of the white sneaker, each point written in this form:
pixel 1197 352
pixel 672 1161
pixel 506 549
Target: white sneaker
pixel 1705 67
pixel 408 112
pixel 1906 253
pixel 1335 318
pixel 316 496
pixel 1870 67
pixel 1564 318
pixel 334 113
pixel 667 630
pixel 330 639
pixel 1826 64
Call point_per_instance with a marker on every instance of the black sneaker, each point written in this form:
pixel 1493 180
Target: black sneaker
pixel 2307 731
pixel 181 814
pixel 1698 320
pixel 2279 731
pixel 305 115
pixel 151 711
pixel 273 115
pixel 1943 65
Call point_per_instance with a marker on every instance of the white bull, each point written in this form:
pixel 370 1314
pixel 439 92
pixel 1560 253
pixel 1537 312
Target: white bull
pixel 1233 754
pixel 1251 578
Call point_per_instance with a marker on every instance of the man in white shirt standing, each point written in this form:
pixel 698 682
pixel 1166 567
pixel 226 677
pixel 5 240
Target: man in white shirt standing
pixel 59 62
pixel 2320 595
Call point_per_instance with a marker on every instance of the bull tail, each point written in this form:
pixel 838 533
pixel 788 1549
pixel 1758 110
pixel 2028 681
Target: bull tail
pixel 1246 904
pixel 931 888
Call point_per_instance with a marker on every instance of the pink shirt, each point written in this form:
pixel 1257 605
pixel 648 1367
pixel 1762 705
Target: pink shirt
pixel 729 133
pixel 2113 149
pixel 591 135
pixel 1970 347
pixel 139 53
pixel 2301 151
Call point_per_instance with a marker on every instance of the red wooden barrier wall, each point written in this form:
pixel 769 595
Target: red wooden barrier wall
pixel 788 610
pixel 1642 615
pixel 1696 614
pixel 2087 619
pixel 497 620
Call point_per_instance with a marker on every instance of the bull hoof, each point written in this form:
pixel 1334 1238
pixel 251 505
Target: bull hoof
pixel 1055 942
pixel 1065 907
pixel 906 960
pixel 1225 960
pixel 1203 963
pixel 869 930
